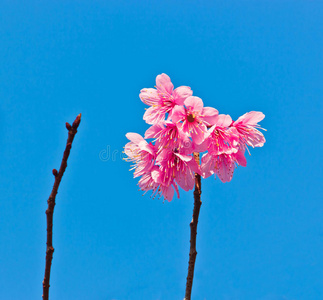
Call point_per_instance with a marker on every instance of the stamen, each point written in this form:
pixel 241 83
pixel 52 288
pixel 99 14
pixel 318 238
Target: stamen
pixel 191 118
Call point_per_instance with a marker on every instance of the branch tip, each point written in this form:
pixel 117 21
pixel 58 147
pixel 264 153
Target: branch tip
pixel 77 121
pixel 68 126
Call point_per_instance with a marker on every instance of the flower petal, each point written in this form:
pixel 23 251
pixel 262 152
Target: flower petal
pixel 178 113
pixel 155 175
pixel 209 115
pixel 152 131
pixel 185 181
pixel 207 165
pixel 176 189
pixel 181 93
pixel 225 167
pixel 203 146
pixel 163 156
pixel 195 103
pixel 255 138
pixel 194 166
pixel 223 121
pixel 163 83
pixel 250 118
pixel 153 115
pixel 183 157
pixel 198 133
pixel 240 158
pixel 149 96
pixel 168 192
pixel 143 145
pixel 134 137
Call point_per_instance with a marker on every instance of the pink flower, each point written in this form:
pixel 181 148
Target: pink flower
pixel 166 188
pixel 139 152
pixel 167 162
pixel 223 148
pixel 246 126
pixel 193 119
pixel 222 165
pixel 220 138
pixel 167 136
pixel 147 183
pixel 163 99
pixel 177 166
pixel 168 191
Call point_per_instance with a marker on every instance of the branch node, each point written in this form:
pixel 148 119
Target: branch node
pixel 50 249
pixel 55 173
pixel 68 126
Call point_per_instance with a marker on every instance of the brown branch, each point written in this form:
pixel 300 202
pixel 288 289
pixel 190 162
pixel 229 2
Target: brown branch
pixel 193 225
pixel 72 130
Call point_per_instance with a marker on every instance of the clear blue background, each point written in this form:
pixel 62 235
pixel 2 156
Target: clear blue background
pixel 259 236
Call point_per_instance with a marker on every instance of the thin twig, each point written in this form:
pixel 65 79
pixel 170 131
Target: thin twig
pixel 72 130
pixel 193 226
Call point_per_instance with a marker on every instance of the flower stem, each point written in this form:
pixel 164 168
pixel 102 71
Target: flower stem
pixel 193 226
pixel 72 130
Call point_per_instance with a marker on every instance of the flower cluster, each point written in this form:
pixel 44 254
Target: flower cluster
pixel 180 126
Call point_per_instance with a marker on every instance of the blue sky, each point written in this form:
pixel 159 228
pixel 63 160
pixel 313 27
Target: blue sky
pixel 259 236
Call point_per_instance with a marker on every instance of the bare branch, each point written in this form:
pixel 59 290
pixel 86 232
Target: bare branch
pixel 72 130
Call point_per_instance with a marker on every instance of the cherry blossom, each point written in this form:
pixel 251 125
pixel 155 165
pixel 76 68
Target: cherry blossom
pixel 193 118
pixel 246 126
pixel 162 99
pixel 222 165
pixel 168 136
pixel 220 138
pixel 177 166
pixel 150 181
pixel 181 126
pixel 139 152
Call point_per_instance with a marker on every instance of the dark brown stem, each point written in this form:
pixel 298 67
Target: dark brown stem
pixel 193 225
pixel 72 130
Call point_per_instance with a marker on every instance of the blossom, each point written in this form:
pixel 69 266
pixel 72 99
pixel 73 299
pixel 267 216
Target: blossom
pixel 165 188
pixel 220 138
pixel 181 126
pixel 148 182
pixel 168 136
pixel 162 99
pixel 246 126
pixel 222 165
pixel 177 166
pixel 139 152
pixel 224 151
pixel 193 119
